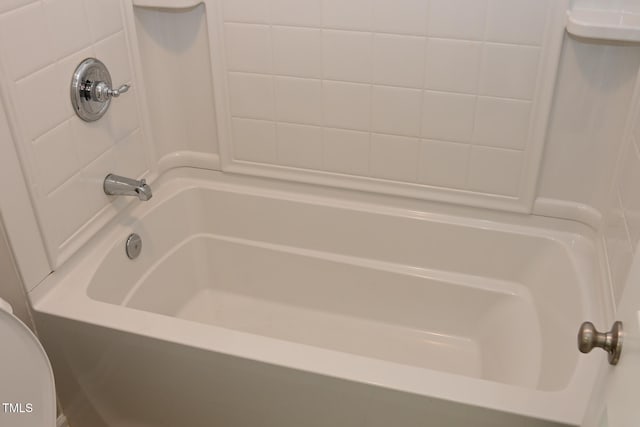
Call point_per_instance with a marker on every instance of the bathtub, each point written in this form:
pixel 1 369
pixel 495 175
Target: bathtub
pixel 258 302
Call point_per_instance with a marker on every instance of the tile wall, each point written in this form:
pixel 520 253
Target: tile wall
pixel 594 91
pixel 621 228
pixel 438 93
pixel 66 159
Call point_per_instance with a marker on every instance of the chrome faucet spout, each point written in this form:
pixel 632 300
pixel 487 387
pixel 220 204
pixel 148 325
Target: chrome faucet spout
pixel 115 185
pixel 144 191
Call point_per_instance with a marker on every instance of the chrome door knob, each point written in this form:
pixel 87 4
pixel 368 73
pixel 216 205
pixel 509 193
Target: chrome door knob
pixel 611 342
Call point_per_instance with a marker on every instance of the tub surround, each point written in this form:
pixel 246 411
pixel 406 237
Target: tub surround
pixel 63 158
pixel 136 140
pixel 379 98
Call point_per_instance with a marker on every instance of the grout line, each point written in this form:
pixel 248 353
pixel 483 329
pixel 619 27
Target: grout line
pixel 91 46
pixel 371 90
pixel 322 88
pixel 415 137
pixel 426 28
pixel 272 78
pixel 425 57
pixel 449 92
pixel 426 35
pixel 23 6
pixel 479 70
pixel 625 222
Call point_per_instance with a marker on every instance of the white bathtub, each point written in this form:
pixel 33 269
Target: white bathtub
pixel 264 303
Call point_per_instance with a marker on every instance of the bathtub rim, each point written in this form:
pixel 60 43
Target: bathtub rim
pixel 63 294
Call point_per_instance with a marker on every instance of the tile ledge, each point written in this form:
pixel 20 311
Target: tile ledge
pixel 611 25
pixel 167 4
pixel 565 209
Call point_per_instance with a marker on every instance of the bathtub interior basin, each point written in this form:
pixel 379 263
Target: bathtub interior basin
pixel 477 310
pixel 397 313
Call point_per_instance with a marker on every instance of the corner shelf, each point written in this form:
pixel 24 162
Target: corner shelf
pixel 604 25
pixel 167 4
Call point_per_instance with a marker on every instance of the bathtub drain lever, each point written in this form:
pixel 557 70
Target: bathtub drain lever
pixel 133 246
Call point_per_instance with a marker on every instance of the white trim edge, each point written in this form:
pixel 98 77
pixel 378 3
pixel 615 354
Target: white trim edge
pixel 564 209
pixel 191 159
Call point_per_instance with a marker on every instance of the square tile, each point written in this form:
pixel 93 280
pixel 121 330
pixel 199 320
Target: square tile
pixel 39 117
pixel 65 210
pixel 618 245
pixel 448 116
pixel 398 60
pixel 636 129
pixel 347 15
pixel 300 146
pixel 347 105
pixel 297 52
pixel 130 156
pixel 400 16
pixel 517 21
pixel 105 18
pixel 24 41
pixel 502 122
pixel 114 52
pixel 91 139
pixel 495 171
pixel 93 177
pixel 443 164
pixel 453 65
pixel 299 100
pixel 248 11
pixel 252 96
pixel 7 5
pixel 298 13
pixel 346 151
pixel 394 158
pixel 347 55
pixel 55 158
pixel 254 140
pixel 457 19
pixel 248 47
pixel 64 69
pixel 396 110
pixel 68 26
pixel 509 71
pixel 123 118
pixel 629 195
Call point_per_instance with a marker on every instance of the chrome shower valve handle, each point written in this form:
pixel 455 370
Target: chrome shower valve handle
pixel 101 91
pixel 122 89
pixel 91 90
